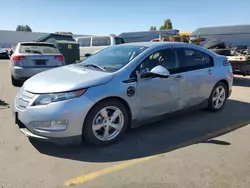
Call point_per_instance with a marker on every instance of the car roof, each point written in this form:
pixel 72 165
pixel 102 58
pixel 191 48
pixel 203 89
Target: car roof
pixel 35 43
pixel 158 44
pixel 172 44
pixel 96 36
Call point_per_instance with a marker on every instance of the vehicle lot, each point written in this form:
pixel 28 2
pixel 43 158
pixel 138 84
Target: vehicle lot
pixel 171 153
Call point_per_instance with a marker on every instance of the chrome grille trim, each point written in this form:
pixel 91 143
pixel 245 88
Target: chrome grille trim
pixel 24 98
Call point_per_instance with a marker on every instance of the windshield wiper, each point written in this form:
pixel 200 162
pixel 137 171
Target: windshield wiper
pixel 34 51
pixel 95 66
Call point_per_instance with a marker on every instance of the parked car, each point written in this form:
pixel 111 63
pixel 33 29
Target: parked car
pixel 12 49
pixel 89 45
pixel 3 54
pixel 30 58
pixel 119 87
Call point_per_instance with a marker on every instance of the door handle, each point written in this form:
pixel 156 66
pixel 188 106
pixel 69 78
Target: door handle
pixel 178 76
pixel 209 72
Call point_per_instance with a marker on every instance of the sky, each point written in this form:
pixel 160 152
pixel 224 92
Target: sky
pixel 98 17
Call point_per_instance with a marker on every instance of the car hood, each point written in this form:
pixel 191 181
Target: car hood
pixel 66 78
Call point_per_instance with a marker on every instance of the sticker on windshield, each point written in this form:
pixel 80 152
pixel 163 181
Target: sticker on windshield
pixel 69 46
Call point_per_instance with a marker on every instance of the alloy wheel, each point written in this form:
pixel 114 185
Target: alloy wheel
pixel 219 97
pixel 108 123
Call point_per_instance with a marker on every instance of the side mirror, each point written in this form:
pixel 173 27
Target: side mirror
pixel 160 71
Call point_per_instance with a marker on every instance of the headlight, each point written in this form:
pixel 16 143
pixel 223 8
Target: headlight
pixel 45 99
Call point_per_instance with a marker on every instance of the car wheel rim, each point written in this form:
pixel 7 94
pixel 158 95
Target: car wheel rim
pixel 108 123
pixel 219 97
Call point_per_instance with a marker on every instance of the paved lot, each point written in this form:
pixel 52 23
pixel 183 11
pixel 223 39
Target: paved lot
pixel 198 149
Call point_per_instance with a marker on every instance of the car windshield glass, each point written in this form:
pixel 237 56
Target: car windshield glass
pixel 38 48
pixel 114 58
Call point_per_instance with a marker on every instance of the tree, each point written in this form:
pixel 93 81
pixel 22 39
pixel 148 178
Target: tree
pixel 25 28
pixel 167 25
pixel 152 28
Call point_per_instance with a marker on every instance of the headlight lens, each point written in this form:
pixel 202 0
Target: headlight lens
pixel 45 99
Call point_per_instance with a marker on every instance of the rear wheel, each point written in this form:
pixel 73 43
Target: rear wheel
pixel 218 97
pixel 106 122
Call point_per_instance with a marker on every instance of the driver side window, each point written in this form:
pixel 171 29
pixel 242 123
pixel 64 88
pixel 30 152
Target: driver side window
pixel 166 58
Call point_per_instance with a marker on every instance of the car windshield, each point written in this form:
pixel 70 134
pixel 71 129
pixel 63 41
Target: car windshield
pixel 38 48
pixel 113 58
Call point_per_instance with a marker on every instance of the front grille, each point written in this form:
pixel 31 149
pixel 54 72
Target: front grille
pixel 24 98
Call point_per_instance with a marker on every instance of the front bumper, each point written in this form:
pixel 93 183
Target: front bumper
pixel 74 111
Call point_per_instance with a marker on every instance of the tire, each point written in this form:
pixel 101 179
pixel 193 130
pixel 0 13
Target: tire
pixel 92 136
pixel 212 103
pixel 225 52
pixel 15 82
pixel 214 44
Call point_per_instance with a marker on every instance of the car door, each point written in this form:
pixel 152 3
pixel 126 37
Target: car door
pixel 199 71
pixel 158 96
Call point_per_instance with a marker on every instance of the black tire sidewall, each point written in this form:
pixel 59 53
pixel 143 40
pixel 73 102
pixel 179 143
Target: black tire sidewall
pixel 87 132
pixel 210 101
pixel 15 82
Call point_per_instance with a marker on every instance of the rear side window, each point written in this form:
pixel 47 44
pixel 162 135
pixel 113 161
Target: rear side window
pixel 193 59
pixel 38 48
pixel 119 40
pixel 84 42
pixel 101 41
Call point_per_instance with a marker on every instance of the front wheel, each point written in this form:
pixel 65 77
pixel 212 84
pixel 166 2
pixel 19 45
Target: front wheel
pixel 218 97
pixel 106 122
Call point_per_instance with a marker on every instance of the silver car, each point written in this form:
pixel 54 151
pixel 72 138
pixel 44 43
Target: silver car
pixel 119 87
pixel 30 58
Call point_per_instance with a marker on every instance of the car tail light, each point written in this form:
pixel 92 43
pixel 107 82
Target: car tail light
pixel 59 57
pixel 243 58
pixel 18 58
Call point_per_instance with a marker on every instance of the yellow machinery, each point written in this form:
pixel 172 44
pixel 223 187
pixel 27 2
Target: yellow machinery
pixel 181 37
pixel 184 34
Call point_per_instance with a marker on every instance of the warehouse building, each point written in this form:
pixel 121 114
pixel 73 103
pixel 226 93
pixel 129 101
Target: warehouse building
pixel 232 35
pixel 145 36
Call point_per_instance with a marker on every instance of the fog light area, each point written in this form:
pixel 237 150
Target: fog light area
pixel 57 125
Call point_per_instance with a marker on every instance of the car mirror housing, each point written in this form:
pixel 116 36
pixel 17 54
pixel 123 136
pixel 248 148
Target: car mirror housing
pixel 160 71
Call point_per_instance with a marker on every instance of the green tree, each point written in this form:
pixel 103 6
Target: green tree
pixel 25 28
pixel 167 25
pixel 152 28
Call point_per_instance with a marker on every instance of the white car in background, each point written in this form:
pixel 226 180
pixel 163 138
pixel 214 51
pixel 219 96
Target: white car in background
pixel 90 45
